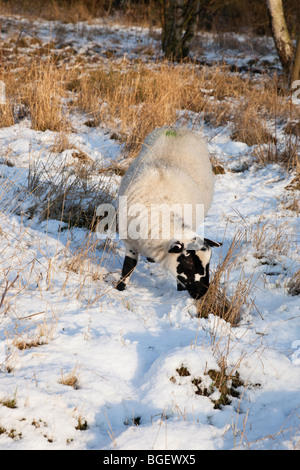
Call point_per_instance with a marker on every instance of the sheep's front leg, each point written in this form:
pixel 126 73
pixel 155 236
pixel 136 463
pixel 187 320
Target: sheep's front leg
pixel 129 264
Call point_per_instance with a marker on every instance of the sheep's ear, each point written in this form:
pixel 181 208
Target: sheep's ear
pixel 212 243
pixel 176 247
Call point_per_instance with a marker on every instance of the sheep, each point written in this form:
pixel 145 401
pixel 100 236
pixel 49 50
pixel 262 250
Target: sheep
pixel 173 169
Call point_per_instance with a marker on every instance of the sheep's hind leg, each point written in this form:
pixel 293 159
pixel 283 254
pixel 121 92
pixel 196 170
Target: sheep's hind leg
pixel 129 264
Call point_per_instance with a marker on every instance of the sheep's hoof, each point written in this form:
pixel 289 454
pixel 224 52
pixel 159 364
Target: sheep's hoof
pixel 121 286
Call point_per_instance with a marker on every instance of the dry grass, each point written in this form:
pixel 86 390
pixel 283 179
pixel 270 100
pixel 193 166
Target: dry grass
pixel 43 96
pixel 73 11
pixel 36 91
pixel 268 238
pixel 6 115
pixel 28 344
pixel 132 98
pixel 220 300
pixel 223 380
pixel 70 379
pixel 135 100
pixel 32 334
pixel 69 193
pixel 248 127
pixel 267 241
pixel 65 11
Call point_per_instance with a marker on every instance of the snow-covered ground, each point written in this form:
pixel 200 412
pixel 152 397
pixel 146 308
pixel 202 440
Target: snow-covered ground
pixel 106 39
pixel 61 318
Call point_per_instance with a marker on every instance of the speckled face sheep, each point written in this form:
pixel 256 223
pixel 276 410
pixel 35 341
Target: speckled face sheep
pixel 172 170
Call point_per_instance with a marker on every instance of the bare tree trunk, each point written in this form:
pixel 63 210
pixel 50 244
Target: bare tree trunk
pixel 283 42
pixel 178 26
pixel 296 67
pixel 108 11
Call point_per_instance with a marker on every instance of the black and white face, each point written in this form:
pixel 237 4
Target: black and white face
pixel 192 266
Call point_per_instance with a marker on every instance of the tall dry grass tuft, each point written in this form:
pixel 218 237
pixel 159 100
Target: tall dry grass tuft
pixel 268 240
pixel 36 91
pixel 250 128
pixel 6 115
pixel 70 379
pixel 133 98
pixel 220 300
pixel 43 95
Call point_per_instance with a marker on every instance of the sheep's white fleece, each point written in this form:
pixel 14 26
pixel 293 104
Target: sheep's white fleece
pixel 173 167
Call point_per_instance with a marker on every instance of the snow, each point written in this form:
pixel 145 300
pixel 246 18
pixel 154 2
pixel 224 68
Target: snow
pixel 125 347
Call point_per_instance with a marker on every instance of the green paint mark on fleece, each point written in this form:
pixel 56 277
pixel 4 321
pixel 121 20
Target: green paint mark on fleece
pixel 171 133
